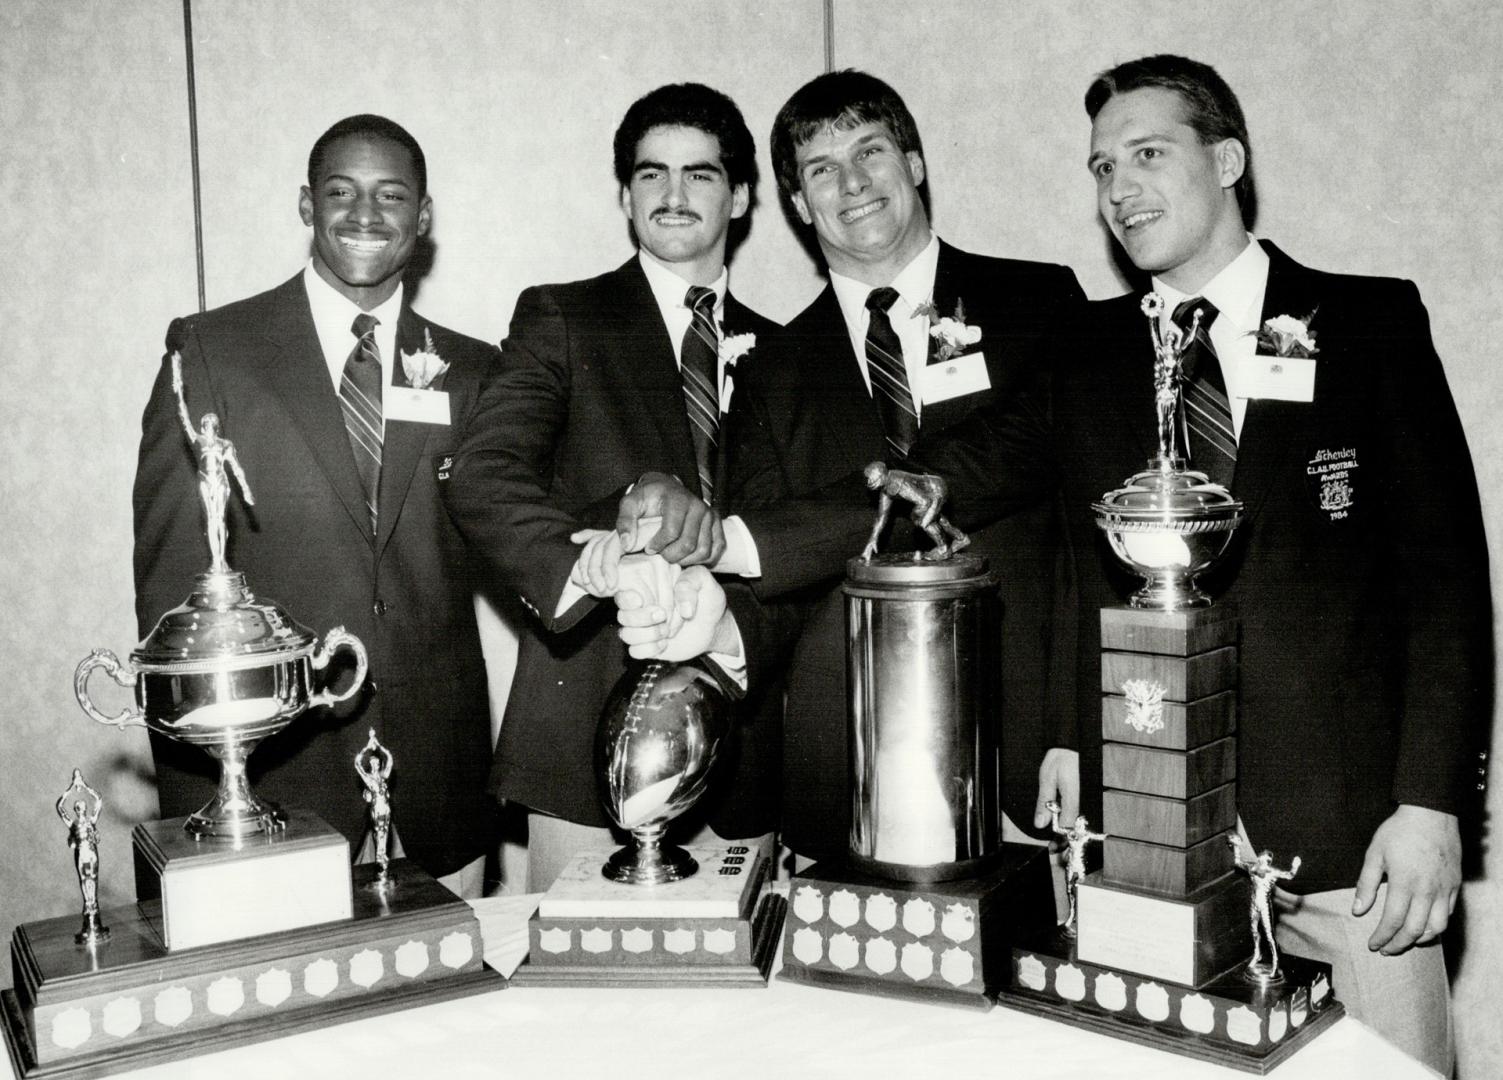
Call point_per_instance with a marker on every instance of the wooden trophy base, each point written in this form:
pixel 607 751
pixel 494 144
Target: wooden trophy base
pixel 716 928
pixel 945 942
pixel 79 1011
pixel 1227 1020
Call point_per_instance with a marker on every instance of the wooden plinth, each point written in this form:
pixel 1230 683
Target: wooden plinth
pixel 79 1012
pixel 1172 633
pixel 719 927
pixel 1174 774
pixel 1165 871
pixel 1178 725
pixel 1177 823
pixel 1181 678
pixel 1227 1021
pixel 944 942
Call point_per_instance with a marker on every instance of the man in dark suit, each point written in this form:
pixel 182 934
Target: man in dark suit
pixel 347 528
pixel 910 336
pixel 1360 575
pixel 603 382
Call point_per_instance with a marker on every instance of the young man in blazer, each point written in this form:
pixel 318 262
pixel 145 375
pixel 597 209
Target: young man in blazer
pixel 604 382
pixel 346 529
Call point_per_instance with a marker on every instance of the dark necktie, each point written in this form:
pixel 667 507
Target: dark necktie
pixel 360 400
pixel 889 376
pixel 1208 413
pixel 697 363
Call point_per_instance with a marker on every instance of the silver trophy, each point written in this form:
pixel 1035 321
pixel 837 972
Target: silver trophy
pixel 1170 523
pixel 1075 838
pixel 79 807
pixel 1265 877
pixel 222 670
pixel 373 766
pixel 654 749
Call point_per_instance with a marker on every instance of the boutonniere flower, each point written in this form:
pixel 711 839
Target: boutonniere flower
pixel 1288 335
pixel 423 366
pixel 953 334
pixel 734 346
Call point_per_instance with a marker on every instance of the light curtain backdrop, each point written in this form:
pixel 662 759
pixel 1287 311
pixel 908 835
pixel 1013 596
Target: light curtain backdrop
pixel 1374 127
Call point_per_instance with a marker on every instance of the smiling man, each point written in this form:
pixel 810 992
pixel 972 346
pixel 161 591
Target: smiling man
pixel 603 382
pixel 310 381
pixel 910 337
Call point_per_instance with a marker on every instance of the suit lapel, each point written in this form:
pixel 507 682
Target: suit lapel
pixel 846 410
pixel 646 368
pixel 295 371
pixel 403 441
pixel 1269 427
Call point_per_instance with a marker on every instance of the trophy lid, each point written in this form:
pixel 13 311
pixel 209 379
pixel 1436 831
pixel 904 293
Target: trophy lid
pixel 223 621
pixel 1165 496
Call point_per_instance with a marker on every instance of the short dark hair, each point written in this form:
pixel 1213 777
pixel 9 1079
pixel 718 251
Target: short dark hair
pixel 370 126
pixel 837 99
pixel 689 105
pixel 1212 109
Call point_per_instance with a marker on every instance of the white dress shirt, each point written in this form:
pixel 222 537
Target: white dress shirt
pixel 334 314
pixel 669 290
pixel 1237 291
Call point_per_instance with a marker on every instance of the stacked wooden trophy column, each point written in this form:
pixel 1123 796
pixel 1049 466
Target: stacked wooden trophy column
pixel 929 899
pixel 249 922
pixel 1157 944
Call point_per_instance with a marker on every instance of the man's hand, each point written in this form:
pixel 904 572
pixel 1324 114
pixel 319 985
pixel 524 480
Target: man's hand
pixel 674 616
pixel 689 534
pixel 596 569
pixel 1419 851
pixel 1059 782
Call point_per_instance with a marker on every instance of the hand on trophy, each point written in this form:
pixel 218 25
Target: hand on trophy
pixel 1419 851
pixel 689 531
pixel 671 614
pixel 1059 785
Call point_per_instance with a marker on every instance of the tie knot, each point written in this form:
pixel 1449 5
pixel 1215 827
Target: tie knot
pixel 881 299
pixel 700 299
pixel 1184 313
pixel 365 323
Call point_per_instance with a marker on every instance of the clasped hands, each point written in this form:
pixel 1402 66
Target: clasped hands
pixel 655 565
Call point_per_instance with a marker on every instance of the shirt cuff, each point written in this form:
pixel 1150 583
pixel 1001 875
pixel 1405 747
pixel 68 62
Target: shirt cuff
pixel 733 664
pixel 571 595
pixel 741 558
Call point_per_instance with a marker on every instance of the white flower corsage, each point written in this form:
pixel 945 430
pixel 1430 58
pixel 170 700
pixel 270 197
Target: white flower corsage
pixel 423 366
pixel 1288 335
pixel 734 346
pixel 953 335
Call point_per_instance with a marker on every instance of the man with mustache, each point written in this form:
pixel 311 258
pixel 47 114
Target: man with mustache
pixel 602 383
pixel 337 399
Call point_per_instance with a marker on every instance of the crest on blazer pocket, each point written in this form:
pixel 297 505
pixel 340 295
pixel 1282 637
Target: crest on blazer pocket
pixel 1332 475
pixel 443 466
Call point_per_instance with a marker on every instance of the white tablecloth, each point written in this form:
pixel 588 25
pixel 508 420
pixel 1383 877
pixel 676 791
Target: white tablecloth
pixel 784 1032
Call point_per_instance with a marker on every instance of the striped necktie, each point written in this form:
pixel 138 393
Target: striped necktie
pixel 360 401
pixel 697 364
pixel 1208 413
pixel 889 376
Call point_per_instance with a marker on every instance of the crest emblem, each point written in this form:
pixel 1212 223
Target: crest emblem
pixel 1332 476
pixel 1145 705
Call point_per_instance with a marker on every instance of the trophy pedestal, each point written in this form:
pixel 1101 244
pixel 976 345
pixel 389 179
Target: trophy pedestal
pixel 80 1012
pixel 719 927
pixel 1187 941
pixel 944 942
pixel 213 890
pixel 1227 1019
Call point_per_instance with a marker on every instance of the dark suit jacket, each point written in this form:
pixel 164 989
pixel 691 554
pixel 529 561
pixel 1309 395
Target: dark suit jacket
pixel 306 544
pixel 804 423
pixel 587 398
pixel 1366 630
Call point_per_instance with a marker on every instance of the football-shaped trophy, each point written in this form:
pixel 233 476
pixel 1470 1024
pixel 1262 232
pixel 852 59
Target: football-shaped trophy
pixel 654 749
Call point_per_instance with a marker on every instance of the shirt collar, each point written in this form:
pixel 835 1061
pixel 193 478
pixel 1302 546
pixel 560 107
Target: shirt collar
pixel 334 310
pixel 1236 290
pixel 669 290
pixel 915 284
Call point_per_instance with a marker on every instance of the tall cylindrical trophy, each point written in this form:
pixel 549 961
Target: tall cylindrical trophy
pixel 927 898
pixel 922 678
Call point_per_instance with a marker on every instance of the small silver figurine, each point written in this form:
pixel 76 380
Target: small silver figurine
pixel 215 453
pixel 373 764
pixel 1169 345
pixel 1264 877
pixel 79 807
pixel 1076 838
pixel 927 493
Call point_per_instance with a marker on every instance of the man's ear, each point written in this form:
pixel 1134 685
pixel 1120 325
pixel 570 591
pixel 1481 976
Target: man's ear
pixel 740 200
pixel 305 204
pixel 797 199
pixel 1231 160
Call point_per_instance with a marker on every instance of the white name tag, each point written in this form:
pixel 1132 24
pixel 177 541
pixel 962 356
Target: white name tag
pixel 1280 378
pixel 954 378
pixel 418 406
